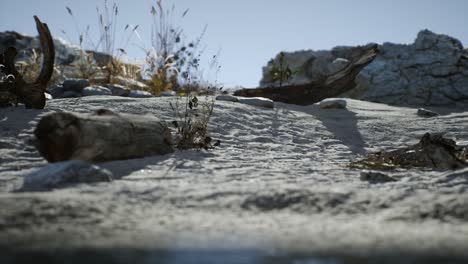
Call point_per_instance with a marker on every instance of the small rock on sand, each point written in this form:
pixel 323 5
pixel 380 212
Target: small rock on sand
pixel 75 85
pixel 257 101
pixel 426 113
pixel 139 94
pixel 95 90
pixel 60 174
pixel 168 93
pixel 332 104
pixel 227 98
pixel 376 177
pixel 118 90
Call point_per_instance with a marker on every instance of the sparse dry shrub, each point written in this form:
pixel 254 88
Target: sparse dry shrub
pixel 30 68
pixel 172 62
pixel 86 66
pixel 113 65
pixel 191 126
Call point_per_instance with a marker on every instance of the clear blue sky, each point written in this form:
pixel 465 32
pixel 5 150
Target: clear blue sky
pixel 250 32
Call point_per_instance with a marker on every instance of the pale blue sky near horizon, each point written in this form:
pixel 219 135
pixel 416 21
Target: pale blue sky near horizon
pixel 251 32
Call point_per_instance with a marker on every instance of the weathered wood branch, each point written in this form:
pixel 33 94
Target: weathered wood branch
pixel 433 151
pixel 48 52
pixel 101 136
pixel 31 94
pixel 333 85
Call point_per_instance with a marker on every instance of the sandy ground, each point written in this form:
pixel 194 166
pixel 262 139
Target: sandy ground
pixel 279 186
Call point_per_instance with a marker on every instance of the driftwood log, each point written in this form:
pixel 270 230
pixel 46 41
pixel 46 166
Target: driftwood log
pixel 101 136
pixel 331 86
pixel 31 94
pixel 433 151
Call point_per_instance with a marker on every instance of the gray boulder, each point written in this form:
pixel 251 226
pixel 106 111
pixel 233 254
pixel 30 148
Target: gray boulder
pixel 332 103
pixel 257 101
pixel 75 85
pixel 95 90
pixel 427 72
pixel 167 93
pixel 70 94
pixel 118 90
pixel 374 177
pixel 139 94
pixel 130 83
pixel 426 113
pixel 228 98
pixel 56 91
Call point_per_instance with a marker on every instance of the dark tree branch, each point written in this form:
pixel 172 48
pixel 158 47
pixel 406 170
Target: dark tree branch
pixel 333 85
pixel 31 94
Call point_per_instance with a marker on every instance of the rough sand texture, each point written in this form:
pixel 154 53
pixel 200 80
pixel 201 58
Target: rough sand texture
pixel 279 181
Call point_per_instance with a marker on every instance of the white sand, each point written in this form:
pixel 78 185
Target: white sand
pixel 279 181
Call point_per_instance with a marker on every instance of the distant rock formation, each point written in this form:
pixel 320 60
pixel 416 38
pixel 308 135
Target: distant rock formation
pixel 66 53
pixel 431 71
pixel 69 59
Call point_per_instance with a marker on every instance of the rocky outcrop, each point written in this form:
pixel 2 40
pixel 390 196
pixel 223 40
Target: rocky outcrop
pixel 431 71
pixel 310 66
pixel 66 53
pixel 72 65
pixel 73 88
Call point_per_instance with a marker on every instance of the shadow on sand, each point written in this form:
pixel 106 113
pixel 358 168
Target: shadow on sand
pixel 342 123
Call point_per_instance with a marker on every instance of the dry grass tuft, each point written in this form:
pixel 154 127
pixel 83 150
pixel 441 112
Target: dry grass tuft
pixel 192 121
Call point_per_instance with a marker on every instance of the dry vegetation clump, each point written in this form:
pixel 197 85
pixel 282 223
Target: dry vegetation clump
pixel 30 68
pixel 192 121
pixel 112 64
pixel 172 63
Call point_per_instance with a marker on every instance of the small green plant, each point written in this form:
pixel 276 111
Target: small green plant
pixel 280 72
pixel 192 123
